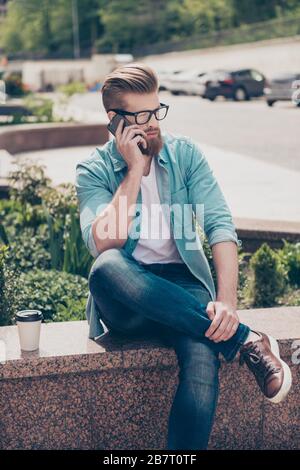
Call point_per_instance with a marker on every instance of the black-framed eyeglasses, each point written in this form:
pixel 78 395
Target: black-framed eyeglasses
pixel 142 117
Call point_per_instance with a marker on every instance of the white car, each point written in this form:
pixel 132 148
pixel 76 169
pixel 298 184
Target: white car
pixel 164 77
pixel 187 83
pixel 285 87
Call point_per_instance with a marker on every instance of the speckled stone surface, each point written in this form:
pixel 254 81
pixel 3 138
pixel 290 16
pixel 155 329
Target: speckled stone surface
pixel 116 393
pixel 281 426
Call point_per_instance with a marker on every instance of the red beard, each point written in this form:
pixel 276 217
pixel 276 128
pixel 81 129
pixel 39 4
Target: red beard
pixel 154 145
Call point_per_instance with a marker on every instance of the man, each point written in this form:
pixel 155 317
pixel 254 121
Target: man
pixel 160 282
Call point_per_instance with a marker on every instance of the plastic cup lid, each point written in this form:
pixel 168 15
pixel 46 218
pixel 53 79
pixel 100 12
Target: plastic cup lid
pixel 29 315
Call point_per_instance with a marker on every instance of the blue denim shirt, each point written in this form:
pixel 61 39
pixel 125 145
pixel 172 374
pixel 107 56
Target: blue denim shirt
pixel 183 178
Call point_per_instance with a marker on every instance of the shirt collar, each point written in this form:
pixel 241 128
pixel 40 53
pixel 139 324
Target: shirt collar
pixel 119 162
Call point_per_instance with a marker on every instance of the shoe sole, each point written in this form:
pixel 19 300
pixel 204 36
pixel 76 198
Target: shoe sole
pixel 287 375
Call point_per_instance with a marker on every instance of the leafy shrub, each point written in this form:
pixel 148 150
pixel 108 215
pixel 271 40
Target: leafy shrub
pixel 72 88
pixel 8 289
pixel 55 293
pixel 29 249
pixel 269 277
pixel 68 252
pixel 290 256
pixel 28 182
pixel 74 310
pixel 13 84
pixel 53 214
pixel 41 108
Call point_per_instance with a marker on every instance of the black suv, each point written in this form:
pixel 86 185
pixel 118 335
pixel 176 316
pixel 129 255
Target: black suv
pixel 239 85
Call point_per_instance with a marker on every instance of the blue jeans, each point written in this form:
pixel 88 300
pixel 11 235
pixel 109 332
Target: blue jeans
pixel 167 301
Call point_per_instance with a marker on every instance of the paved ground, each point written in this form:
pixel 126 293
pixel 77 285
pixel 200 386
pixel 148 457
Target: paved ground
pixel 250 128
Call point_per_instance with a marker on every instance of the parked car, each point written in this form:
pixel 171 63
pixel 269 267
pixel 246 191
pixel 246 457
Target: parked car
pixel 164 76
pixel 239 85
pixel 282 88
pixel 187 83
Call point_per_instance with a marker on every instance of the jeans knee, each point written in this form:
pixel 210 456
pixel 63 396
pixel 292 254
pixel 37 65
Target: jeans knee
pixel 104 266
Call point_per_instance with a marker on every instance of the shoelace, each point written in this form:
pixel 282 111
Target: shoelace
pixel 263 365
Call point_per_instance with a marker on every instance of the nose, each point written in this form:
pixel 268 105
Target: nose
pixel 153 123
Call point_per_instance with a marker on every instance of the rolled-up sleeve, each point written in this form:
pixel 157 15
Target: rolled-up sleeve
pixel 212 212
pixel 93 195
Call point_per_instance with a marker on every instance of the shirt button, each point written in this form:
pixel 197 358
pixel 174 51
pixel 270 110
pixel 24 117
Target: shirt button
pixel 137 213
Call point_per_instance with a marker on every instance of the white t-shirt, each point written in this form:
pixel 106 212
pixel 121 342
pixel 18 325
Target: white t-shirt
pixel 156 243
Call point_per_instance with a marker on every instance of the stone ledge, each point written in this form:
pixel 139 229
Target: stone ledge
pixel 30 137
pixel 119 393
pixel 254 232
pixel 66 348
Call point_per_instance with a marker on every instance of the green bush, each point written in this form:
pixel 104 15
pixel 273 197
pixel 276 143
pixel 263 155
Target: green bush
pixel 74 310
pixel 290 256
pixel 269 276
pixel 41 108
pixel 14 86
pixel 29 249
pixel 72 88
pixel 28 182
pixel 8 289
pixel 68 252
pixel 55 293
pixel 53 214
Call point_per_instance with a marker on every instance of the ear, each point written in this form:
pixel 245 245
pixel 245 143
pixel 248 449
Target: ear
pixel 111 114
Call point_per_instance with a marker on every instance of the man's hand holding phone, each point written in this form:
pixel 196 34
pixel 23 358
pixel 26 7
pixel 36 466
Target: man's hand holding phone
pixel 127 145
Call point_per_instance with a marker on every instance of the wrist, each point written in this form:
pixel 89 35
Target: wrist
pixel 135 170
pixel 230 302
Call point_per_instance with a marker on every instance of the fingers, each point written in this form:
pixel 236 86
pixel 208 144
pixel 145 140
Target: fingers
pixel 138 139
pixel 210 310
pixel 119 129
pixel 131 131
pixel 129 136
pixel 225 332
pixel 216 322
pixel 224 323
pixel 231 330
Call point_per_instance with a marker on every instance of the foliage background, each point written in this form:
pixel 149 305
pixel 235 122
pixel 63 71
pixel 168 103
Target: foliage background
pixel 45 28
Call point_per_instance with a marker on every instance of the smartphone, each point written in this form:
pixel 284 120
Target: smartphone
pixel 113 125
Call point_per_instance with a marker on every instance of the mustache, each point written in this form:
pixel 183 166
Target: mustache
pixel 151 130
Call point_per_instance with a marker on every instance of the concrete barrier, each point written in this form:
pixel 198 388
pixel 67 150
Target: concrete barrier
pixel 76 393
pixel 28 137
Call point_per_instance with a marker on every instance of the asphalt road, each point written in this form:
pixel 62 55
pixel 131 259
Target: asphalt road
pixel 248 128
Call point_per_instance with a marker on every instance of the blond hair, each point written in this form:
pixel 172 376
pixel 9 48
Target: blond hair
pixel 130 78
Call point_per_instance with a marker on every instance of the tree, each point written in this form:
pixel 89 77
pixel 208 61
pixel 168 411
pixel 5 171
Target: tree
pixel 44 27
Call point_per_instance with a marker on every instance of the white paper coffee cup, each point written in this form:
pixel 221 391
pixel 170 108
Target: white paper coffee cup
pixel 29 328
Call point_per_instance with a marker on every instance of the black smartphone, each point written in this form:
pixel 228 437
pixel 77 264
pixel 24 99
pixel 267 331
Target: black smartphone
pixel 113 125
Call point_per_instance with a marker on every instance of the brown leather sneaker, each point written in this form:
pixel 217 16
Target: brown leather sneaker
pixel 272 374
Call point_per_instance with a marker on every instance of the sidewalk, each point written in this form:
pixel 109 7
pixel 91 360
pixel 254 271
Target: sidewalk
pixel 252 189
